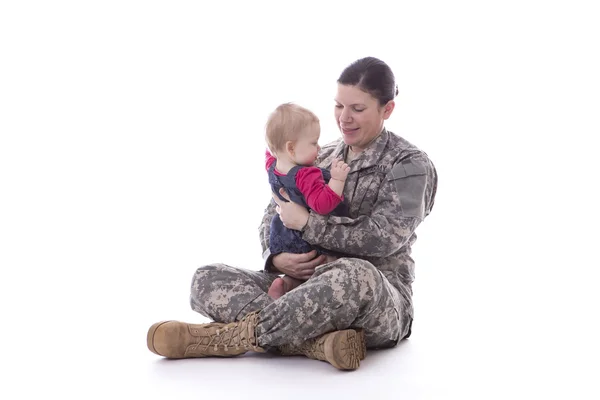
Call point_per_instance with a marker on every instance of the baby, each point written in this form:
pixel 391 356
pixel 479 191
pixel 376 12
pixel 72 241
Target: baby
pixel 292 135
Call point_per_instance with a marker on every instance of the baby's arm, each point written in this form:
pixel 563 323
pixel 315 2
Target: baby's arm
pixel 269 159
pixel 339 173
pixel 319 196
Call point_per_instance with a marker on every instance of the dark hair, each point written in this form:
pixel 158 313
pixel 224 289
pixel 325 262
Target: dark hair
pixel 372 76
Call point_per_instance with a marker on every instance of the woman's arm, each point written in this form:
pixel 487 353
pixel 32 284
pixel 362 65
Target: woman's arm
pixel 403 200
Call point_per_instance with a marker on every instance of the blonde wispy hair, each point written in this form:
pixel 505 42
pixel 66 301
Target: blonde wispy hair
pixel 287 123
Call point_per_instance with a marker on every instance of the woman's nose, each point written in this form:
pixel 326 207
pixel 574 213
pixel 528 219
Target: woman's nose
pixel 345 116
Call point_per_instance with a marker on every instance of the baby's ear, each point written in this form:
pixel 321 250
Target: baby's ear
pixel 289 147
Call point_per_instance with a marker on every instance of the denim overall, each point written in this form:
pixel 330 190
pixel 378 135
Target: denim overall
pixel 282 239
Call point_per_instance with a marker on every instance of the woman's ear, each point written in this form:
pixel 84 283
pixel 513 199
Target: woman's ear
pixel 388 108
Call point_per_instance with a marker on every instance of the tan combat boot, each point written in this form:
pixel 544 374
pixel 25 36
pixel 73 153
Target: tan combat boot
pixel 342 349
pixel 173 339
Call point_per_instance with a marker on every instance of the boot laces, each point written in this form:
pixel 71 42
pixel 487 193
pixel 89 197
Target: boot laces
pixel 229 336
pixel 315 348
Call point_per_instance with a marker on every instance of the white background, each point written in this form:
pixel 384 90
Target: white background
pixel 131 152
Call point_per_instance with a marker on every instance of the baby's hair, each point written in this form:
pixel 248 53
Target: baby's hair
pixel 285 124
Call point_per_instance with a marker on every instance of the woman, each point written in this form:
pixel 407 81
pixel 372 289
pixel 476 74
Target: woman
pixel 347 304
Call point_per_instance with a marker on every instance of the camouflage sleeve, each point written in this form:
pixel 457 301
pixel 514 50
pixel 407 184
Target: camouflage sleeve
pixel 265 228
pixel 404 198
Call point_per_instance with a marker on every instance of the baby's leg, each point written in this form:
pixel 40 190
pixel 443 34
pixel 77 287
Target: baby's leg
pixel 291 283
pixel 281 286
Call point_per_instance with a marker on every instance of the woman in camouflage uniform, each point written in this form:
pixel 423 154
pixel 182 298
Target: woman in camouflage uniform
pixel 352 303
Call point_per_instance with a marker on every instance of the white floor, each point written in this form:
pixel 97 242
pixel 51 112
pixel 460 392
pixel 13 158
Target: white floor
pixel 466 344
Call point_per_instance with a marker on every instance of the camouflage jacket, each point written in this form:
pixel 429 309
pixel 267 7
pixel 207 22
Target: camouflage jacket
pixel 390 189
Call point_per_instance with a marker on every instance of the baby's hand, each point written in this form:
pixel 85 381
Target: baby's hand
pixel 339 170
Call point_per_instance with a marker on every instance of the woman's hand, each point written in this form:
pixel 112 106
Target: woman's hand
pixel 292 215
pixel 299 266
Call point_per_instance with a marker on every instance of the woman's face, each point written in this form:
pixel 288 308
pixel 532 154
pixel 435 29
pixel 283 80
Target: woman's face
pixel 359 116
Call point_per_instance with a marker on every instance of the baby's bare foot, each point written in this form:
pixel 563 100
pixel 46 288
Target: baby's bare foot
pixel 277 289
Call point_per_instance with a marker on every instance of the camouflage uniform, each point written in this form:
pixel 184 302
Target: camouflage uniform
pixel 390 189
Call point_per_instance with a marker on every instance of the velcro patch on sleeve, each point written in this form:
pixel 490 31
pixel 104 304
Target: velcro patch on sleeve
pixel 410 182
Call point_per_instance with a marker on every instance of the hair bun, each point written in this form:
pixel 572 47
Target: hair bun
pixel 372 76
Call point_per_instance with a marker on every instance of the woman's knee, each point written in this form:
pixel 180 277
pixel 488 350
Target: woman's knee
pixel 209 277
pixel 206 280
pixel 211 272
pixel 350 265
pixel 352 270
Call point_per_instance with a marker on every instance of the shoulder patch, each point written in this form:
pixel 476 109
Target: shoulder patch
pixel 410 181
pixel 407 168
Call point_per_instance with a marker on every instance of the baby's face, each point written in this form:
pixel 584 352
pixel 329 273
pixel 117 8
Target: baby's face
pixel 306 148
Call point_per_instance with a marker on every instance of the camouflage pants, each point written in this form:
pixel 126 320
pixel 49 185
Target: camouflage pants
pixel 348 292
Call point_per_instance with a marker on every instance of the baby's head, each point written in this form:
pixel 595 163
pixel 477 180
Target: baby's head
pixel 292 133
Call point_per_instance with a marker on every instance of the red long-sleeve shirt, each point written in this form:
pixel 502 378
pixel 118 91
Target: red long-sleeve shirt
pixel 309 180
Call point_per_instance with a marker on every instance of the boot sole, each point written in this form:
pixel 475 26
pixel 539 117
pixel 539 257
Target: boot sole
pixel 362 341
pixel 344 349
pixel 150 337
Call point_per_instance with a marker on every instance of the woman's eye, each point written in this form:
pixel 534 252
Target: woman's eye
pixel 338 106
pixel 359 110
